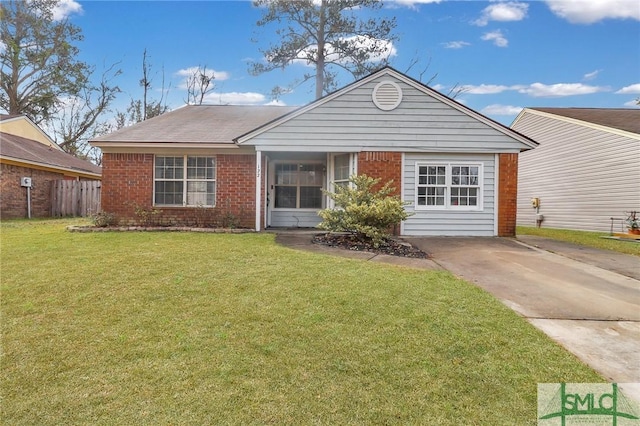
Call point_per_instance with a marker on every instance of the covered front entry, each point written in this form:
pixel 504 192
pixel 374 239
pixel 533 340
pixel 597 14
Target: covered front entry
pixel 295 184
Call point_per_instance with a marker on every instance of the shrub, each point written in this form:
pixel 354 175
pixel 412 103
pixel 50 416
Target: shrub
pixel 103 219
pixel 364 211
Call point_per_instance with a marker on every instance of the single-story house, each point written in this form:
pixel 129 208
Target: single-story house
pixel 27 152
pixel 585 171
pixel 266 166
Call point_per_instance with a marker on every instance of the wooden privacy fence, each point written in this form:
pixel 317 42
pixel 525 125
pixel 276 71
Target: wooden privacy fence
pixel 75 197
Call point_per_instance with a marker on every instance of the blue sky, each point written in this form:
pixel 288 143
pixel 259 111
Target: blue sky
pixel 505 54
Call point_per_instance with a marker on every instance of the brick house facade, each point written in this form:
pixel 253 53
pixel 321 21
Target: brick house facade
pixel 29 153
pixel 259 167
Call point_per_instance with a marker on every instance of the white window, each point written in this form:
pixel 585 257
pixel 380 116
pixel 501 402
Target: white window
pixel 341 169
pixel 449 186
pixel 298 185
pixel 184 181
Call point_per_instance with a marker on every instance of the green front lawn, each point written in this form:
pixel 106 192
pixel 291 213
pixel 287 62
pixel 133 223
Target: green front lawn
pixel 188 328
pixel 584 238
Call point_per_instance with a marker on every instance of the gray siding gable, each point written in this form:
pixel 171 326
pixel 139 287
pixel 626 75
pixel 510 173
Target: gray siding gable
pixel 348 120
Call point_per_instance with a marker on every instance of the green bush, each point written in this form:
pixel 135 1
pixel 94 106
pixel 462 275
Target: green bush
pixel 364 211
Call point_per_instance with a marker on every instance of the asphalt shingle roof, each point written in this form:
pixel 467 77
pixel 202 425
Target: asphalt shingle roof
pixel 19 148
pixel 199 124
pixel 618 118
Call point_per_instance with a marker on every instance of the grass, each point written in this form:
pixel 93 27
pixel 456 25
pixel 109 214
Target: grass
pixel 182 328
pixel 585 238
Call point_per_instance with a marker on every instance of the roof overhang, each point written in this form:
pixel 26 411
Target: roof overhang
pixel 47 167
pixel 155 145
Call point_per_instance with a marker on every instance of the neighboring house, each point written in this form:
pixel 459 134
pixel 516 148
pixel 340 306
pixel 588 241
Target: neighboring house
pixel 266 166
pixel 27 152
pixel 586 169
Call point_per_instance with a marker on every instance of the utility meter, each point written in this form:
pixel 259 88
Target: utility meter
pixel 26 182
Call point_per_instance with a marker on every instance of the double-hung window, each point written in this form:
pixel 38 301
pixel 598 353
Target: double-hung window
pixel 185 181
pixel 299 186
pixel 449 186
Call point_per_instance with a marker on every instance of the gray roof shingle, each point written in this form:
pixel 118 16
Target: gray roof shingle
pixel 618 118
pixel 199 124
pixel 19 148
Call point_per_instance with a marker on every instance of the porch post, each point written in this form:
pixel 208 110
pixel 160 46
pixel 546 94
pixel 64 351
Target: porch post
pixel 258 188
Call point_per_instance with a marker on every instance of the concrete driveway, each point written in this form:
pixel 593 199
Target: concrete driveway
pixel 587 300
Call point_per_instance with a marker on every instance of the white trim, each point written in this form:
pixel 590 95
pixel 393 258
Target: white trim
pixel 258 188
pixel 496 193
pixel 571 120
pixel 402 164
pixel 174 145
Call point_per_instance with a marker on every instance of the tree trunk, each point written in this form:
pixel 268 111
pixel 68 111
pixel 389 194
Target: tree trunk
pixel 320 58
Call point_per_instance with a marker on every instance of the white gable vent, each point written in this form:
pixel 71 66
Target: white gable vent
pixel 387 95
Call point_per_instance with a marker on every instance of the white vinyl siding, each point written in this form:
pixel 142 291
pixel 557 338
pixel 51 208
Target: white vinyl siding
pixel 582 175
pixel 451 221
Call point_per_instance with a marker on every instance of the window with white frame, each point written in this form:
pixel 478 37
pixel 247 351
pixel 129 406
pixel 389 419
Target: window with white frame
pixel 454 186
pixel 299 185
pixel 185 181
pixel 341 169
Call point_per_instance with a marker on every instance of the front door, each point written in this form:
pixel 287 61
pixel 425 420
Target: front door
pixel 294 193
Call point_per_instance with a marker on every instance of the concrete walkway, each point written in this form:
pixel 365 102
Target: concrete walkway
pixel 587 300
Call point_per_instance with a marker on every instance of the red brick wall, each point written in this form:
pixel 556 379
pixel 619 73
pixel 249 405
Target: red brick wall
pixel 128 182
pixel 385 165
pixel 13 197
pixel 508 194
pixel 127 179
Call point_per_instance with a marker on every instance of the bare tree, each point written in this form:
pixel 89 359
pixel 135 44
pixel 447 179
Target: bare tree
pixel 142 109
pixel 200 82
pixel 77 120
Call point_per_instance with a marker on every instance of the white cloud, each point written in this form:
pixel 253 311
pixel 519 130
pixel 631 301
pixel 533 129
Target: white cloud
pixel 218 75
pixel 188 72
pixel 633 104
pixel 385 47
pixel 496 37
pixel 633 89
pixel 65 8
pixel 411 4
pixel 503 12
pixel 588 12
pixel 484 89
pixel 539 90
pixel 497 109
pixel 455 44
pixel 234 98
pixel 591 75
pixel 276 102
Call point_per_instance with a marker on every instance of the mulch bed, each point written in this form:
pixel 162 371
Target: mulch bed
pixel 351 242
